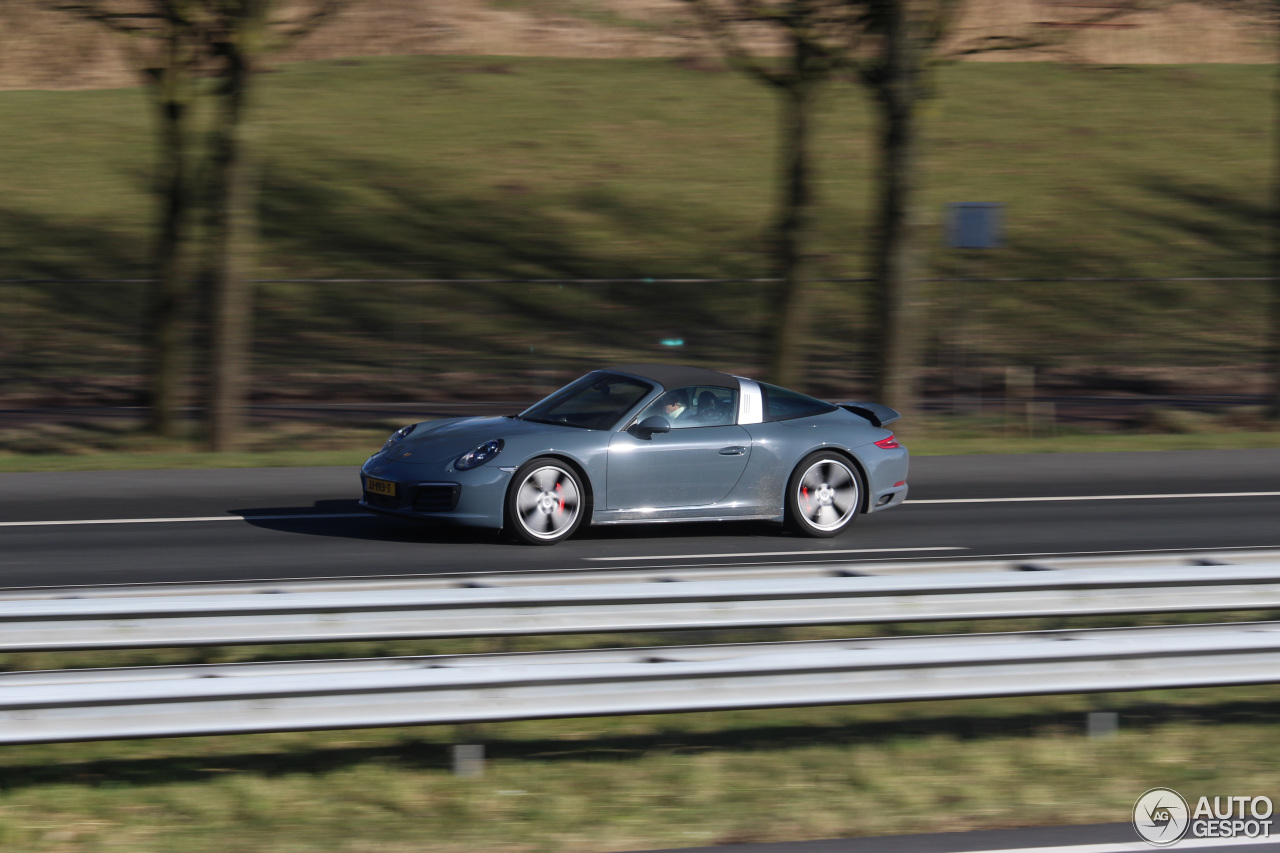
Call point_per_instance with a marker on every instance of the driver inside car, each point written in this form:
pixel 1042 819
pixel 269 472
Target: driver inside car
pixel 675 404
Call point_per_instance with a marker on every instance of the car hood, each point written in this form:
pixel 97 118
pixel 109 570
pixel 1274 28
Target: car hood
pixel 433 442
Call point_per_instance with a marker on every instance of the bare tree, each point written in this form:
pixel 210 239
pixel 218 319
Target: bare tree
pixel 1268 14
pixel 906 35
pixel 906 41
pixel 819 36
pixel 1274 408
pixel 175 43
pixel 163 38
pixel 239 34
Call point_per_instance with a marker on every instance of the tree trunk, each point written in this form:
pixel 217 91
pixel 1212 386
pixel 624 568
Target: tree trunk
pixel 787 364
pixel 231 244
pixel 895 296
pixel 168 297
pixel 1274 407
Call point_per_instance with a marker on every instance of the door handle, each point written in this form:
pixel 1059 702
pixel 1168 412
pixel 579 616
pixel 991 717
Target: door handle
pixel 732 451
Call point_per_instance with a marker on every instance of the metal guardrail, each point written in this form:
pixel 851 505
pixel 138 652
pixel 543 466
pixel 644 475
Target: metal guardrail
pixel 166 621
pixel 110 704
pixel 630 654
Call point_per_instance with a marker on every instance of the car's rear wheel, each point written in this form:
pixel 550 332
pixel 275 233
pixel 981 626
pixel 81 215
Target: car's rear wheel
pixel 545 502
pixel 824 495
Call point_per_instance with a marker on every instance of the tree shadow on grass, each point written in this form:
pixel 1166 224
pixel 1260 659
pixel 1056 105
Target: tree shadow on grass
pixel 317 223
pixel 1207 228
pixel 1230 226
pixel 62 337
pixel 39 247
pixel 36 247
pixel 406 231
pixel 414 753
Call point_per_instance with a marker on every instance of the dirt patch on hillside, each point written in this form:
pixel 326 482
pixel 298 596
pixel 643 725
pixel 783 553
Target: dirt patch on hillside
pixel 45 49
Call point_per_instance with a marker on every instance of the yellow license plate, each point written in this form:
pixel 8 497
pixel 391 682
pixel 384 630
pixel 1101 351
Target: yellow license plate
pixel 380 487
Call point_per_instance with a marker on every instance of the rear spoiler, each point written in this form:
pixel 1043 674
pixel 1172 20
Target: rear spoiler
pixel 878 415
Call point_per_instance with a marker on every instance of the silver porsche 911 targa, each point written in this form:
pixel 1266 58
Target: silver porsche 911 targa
pixel 645 443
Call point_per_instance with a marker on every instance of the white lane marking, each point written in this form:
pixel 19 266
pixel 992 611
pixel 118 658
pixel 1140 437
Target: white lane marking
pixel 780 553
pixel 1133 846
pixel 1095 498
pixel 977 557
pixel 185 519
pixel 1184 552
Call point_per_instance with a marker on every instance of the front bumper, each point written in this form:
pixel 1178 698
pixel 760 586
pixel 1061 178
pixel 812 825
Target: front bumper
pixel 471 498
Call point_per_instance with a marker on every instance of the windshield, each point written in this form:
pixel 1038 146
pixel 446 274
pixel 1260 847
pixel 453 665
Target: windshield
pixel 596 401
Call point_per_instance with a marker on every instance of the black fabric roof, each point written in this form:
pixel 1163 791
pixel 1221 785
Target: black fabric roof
pixel 675 376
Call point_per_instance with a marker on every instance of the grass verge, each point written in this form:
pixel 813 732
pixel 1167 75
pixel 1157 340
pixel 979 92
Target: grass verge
pixel 634 783
pixel 593 785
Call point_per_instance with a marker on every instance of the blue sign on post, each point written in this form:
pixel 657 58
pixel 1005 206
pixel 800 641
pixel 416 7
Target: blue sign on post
pixel 974 225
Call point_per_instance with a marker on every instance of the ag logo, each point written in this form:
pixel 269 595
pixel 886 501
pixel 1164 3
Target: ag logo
pixel 1161 817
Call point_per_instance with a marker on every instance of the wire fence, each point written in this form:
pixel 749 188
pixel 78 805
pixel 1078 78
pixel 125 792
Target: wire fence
pixel 81 342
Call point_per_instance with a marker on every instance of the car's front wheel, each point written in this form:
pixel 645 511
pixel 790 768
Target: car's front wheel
pixel 545 502
pixel 824 495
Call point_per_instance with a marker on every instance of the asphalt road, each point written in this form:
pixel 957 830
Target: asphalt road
pixel 304 522
pixel 1096 838
pixel 184 526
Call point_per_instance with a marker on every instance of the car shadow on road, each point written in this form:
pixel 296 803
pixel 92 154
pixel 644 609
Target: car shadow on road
pixel 344 519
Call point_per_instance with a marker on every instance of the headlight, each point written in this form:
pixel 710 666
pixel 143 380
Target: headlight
pixel 479 456
pixel 398 436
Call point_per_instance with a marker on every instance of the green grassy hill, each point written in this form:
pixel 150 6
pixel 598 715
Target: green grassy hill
pixel 456 168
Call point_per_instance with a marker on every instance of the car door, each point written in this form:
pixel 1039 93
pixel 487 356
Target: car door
pixel 697 463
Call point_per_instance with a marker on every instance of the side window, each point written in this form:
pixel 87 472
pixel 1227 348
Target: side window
pixel 715 406
pixel 695 406
pixel 781 404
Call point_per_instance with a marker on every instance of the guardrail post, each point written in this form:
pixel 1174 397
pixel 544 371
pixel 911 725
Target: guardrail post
pixel 1102 723
pixel 468 758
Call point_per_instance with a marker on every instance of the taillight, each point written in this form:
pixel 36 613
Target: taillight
pixel 889 443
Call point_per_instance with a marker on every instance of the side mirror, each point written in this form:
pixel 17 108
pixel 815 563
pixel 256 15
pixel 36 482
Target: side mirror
pixel 650 425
